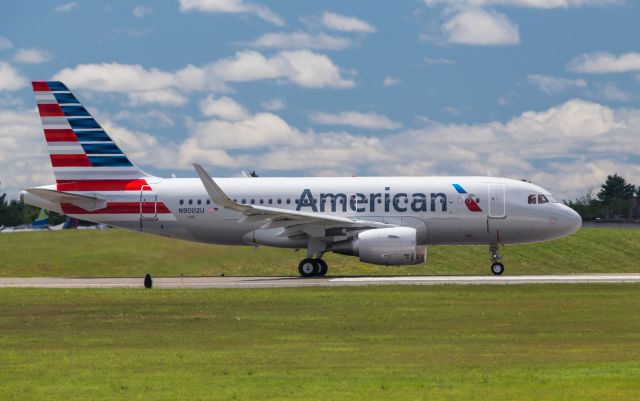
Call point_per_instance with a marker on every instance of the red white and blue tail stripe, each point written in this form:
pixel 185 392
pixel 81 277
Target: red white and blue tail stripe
pixel 88 163
pixel 83 155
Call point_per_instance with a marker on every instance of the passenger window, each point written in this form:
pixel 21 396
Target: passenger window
pixel 209 201
pixel 279 201
pixel 532 199
pixel 253 201
pixel 182 201
pixel 270 201
pixel 199 202
pixel 542 199
pixel 191 201
pixel 262 201
pixel 288 201
pixel 244 201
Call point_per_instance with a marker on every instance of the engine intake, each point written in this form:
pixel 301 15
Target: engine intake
pixel 385 246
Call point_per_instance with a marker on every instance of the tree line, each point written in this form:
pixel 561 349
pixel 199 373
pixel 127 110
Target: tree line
pixel 614 200
pixel 15 213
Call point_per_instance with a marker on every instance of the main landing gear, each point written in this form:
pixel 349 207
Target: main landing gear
pixel 497 268
pixel 310 267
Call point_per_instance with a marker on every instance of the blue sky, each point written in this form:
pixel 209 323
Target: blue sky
pixel 540 89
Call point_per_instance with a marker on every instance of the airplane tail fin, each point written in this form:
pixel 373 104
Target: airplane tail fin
pixel 42 220
pixel 83 156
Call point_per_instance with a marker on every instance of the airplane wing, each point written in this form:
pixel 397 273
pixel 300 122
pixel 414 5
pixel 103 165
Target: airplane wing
pixel 293 221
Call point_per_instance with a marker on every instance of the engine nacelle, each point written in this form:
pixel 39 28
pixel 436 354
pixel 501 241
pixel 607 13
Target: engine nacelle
pixel 385 246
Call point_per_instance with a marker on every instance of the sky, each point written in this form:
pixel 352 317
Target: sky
pixel 543 90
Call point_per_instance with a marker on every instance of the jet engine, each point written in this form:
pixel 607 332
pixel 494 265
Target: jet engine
pixel 385 246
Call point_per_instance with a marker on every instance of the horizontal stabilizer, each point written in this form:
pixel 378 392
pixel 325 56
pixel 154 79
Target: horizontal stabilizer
pixel 86 202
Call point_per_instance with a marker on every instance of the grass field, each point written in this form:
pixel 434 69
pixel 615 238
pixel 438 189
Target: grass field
pixel 75 253
pixel 535 342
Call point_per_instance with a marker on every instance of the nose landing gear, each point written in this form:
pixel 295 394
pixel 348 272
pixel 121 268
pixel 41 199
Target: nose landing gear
pixel 497 268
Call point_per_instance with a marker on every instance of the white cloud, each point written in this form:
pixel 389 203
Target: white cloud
pixel 302 67
pixel 224 108
pixel 115 77
pixel 391 81
pixel 261 129
pixel 232 7
pixel 66 7
pixel 356 119
pixel 164 97
pixel 541 4
pixel 142 11
pixel 554 85
pixel 149 119
pixel 610 91
pixel 211 139
pixel 24 161
pixel 439 60
pixel 32 56
pixel 10 78
pixel 550 147
pixel 298 40
pixel 603 63
pixel 273 104
pixel 338 22
pixel 5 43
pixel 478 27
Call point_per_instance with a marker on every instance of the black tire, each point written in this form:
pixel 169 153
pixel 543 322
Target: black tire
pixel 322 267
pixel 308 267
pixel 497 268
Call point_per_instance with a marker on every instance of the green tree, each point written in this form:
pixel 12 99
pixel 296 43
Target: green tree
pixel 587 206
pixel 15 213
pixel 614 195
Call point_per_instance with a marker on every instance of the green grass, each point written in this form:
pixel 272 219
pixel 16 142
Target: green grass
pixel 124 253
pixel 534 342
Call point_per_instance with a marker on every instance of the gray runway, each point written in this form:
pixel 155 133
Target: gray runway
pixel 283 282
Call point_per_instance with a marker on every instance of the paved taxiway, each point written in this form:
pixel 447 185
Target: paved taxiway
pixel 277 282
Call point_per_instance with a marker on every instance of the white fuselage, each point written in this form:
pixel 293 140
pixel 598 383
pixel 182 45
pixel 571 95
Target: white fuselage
pixel 476 210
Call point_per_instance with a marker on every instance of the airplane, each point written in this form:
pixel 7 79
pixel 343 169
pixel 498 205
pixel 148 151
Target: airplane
pixel 381 220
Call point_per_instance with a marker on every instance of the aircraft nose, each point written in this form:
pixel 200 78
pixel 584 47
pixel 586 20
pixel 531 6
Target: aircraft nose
pixel 569 220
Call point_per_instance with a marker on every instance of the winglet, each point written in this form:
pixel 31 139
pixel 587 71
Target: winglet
pixel 215 192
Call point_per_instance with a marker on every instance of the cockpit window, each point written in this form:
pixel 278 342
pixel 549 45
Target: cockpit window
pixel 542 199
pixel 551 198
pixel 532 199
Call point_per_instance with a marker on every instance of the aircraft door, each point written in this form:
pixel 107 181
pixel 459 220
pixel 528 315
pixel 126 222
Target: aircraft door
pixel 497 209
pixel 148 203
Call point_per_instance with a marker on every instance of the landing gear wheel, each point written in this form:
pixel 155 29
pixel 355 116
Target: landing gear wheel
pixel 497 268
pixel 322 267
pixel 308 267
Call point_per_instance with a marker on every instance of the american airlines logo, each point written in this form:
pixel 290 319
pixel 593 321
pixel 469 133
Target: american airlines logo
pixel 400 202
